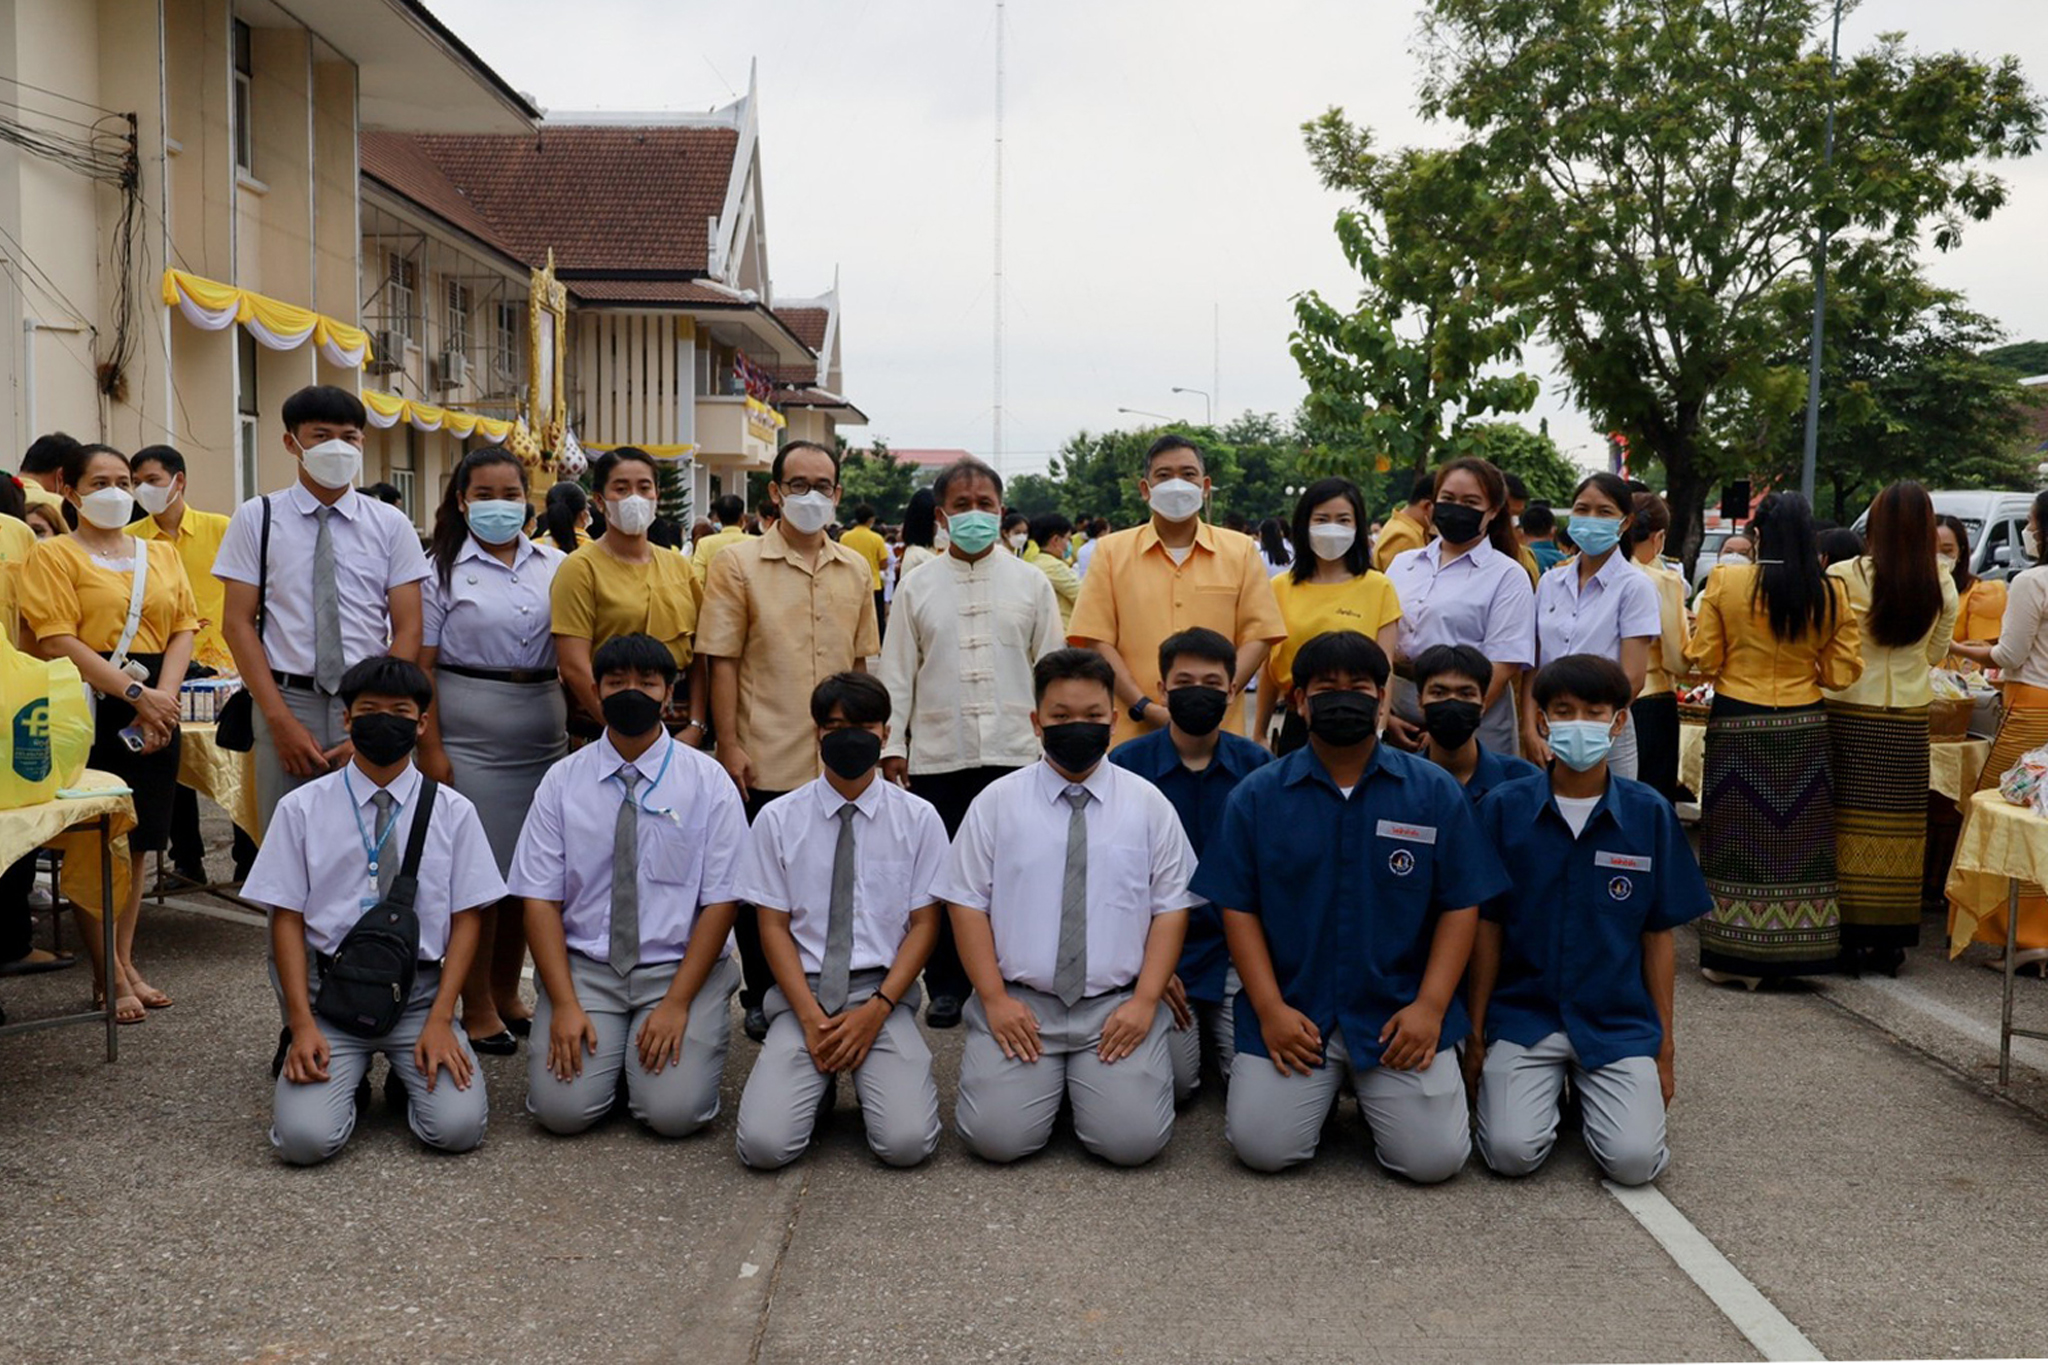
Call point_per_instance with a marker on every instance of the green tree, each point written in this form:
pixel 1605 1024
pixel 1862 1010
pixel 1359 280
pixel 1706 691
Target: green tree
pixel 1034 494
pixel 1253 465
pixel 2021 359
pixel 876 477
pixel 1532 455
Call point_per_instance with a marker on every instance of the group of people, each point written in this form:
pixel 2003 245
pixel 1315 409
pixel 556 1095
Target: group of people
pixel 672 778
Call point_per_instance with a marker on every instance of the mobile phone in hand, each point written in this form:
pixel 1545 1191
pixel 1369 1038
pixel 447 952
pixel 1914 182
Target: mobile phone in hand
pixel 131 735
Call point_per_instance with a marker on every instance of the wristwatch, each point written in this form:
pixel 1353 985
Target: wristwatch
pixel 1138 708
pixel 133 692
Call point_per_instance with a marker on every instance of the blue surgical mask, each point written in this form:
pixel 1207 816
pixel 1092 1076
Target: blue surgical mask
pixel 1596 535
pixel 1579 744
pixel 495 523
pixel 973 532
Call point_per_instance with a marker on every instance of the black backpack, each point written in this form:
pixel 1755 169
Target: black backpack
pixel 365 986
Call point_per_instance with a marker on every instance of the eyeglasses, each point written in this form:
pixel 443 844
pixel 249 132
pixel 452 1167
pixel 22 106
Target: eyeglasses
pixel 796 488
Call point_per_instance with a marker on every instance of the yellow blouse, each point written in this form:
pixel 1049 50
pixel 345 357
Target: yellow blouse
pixel 65 592
pixel 1980 614
pixel 1364 604
pixel 17 541
pixel 1732 643
pixel 1893 675
pixel 1667 661
pixel 596 596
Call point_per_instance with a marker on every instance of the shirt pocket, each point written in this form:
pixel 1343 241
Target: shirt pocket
pixel 1404 878
pixel 667 858
pixel 1124 889
pixel 1622 886
pixel 886 904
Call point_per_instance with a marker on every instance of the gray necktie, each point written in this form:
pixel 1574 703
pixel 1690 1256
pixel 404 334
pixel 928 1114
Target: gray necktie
pixel 387 856
pixel 625 955
pixel 1070 968
pixel 838 964
pixel 327 664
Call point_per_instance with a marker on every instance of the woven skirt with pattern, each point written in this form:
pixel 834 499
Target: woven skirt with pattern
pixel 1977 901
pixel 1880 771
pixel 1767 844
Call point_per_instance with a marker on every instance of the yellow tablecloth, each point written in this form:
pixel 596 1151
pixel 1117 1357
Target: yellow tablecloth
pixel 32 827
pixel 1999 841
pixel 1952 765
pixel 222 776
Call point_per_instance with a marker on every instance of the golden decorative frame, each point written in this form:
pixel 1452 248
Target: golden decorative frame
pixel 548 298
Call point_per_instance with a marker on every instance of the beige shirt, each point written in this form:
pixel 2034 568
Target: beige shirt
pixel 2022 649
pixel 957 661
pixel 1893 675
pixel 1667 656
pixel 790 625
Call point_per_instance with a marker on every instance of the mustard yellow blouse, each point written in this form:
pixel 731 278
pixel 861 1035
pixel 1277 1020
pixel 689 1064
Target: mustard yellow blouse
pixel 1732 644
pixel 66 592
pixel 597 596
pixel 1894 676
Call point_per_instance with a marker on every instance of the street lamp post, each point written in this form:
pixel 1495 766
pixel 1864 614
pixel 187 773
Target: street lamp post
pixel 1208 415
pixel 1820 278
pixel 1140 412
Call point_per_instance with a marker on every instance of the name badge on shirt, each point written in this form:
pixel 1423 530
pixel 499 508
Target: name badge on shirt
pixel 1414 834
pixel 1627 862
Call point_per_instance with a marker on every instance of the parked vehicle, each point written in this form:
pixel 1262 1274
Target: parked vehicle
pixel 1995 522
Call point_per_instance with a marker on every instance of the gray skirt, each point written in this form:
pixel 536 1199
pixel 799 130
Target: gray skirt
pixel 501 738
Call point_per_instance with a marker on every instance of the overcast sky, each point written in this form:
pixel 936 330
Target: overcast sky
pixel 1154 180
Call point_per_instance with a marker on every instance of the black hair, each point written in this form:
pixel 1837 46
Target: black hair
pixel 1348 652
pixel 1591 678
pixel 1652 516
pixel 860 697
pixel 1790 586
pixel 1013 518
pixel 666 532
pixel 565 502
pixel 47 453
pixel 1197 642
pixel 969 468
pixel 1517 490
pixel 791 447
pixel 1358 558
pixel 2040 513
pixel 863 514
pixel 1273 542
pixel 385 492
pixel 1235 521
pixel 1837 545
pixel 601 470
pixel 385 675
pixel 920 523
pixel 13 501
pixel 324 403
pixel 451 528
pixel 1424 489
pixel 728 508
pixel 1050 526
pixel 79 456
pixel 1465 661
pixel 1538 520
pixel 1612 487
pixel 1962 575
pixel 167 456
pixel 1062 664
pixel 1172 440
pixel 632 654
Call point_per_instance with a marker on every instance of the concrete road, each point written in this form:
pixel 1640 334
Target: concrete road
pixel 1846 1182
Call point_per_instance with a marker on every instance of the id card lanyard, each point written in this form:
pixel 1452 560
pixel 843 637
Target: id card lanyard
pixel 373 852
pixel 640 800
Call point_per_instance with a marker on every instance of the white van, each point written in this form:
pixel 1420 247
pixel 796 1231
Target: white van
pixel 1995 522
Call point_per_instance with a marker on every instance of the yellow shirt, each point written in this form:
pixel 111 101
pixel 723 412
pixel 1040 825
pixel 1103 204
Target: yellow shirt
pixel 1893 675
pixel 1135 596
pixel 705 550
pixel 1527 558
pixel 1066 584
pixel 1364 604
pixel 65 593
pixel 1667 660
pixel 1732 643
pixel 1401 533
pixel 17 539
pixel 596 596
pixel 789 625
pixel 869 546
pixel 1980 614
pixel 198 542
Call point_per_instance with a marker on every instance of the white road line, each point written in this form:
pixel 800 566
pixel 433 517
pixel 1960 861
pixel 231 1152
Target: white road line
pixel 2024 1050
pixel 1741 1302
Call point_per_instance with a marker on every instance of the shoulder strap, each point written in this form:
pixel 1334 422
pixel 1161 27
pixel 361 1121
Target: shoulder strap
pixel 135 595
pixel 263 571
pixel 416 839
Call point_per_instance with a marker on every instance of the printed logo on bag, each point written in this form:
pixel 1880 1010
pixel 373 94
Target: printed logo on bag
pixel 1414 834
pixel 1624 862
pixel 1401 862
pixel 32 741
pixel 1621 888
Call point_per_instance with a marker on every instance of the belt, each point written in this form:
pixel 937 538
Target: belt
pixel 297 681
pixel 503 675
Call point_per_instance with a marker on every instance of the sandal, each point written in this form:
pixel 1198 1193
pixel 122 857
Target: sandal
pixel 151 997
pixel 135 1014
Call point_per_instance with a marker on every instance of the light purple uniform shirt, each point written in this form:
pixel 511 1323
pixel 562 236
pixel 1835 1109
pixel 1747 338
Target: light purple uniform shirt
pixel 1617 603
pixel 1480 598
pixel 491 615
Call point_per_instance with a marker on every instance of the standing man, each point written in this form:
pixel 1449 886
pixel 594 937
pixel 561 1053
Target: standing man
pixel 866 542
pixel 731 513
pixel 958 670
pixel 1518 501
pixel 1172 574
pixel 782 612
pixel 1409 528
pixel 1047 552
pixel 1538 528
pixel 344 579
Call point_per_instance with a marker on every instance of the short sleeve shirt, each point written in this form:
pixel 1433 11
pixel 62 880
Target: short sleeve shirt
pixel 1366 604
pixel 491 614
pixel 597 596
pixel 1479 598
pixel 66 591
pixel 1617 603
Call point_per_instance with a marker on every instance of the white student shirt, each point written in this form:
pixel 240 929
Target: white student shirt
pixel 492 615
pixel 899 847
pixel 692 829
pixel 957 662
pixel 1009 859
pixel 1619 602
pixel 313 858
pixel 375 550
pixel 1480 598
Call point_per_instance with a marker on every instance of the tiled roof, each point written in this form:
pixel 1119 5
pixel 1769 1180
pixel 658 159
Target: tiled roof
pixel 930 459
pixel 397 161
pixel 654 291
pixel 807 323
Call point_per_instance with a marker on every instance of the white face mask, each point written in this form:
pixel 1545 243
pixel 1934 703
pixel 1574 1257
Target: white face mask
pixel 809 513
pixel 1733 557
pixel 107 508
pixel 333 464
pixel 631 515
pixel 1018 541
pixel 1946 563
pixel 941 541
pixel 1176 499
pixel 155 499
pixel 1332 540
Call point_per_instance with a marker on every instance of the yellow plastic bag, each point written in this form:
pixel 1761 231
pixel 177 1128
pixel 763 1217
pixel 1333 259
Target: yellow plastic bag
pixel 45 727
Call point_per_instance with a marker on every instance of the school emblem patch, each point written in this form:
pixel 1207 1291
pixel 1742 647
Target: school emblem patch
pixel 1401 862
pixel 1621 888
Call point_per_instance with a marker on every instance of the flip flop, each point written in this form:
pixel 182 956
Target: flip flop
pixel 38 960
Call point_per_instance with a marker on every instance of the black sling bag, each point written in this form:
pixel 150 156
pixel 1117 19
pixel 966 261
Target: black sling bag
pixel 364 987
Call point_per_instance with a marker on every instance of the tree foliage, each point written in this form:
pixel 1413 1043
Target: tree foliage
pixel 1532 455
pixel 876 477
pixel 2020 359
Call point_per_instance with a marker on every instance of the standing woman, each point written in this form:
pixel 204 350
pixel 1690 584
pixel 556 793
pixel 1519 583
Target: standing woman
pixel 499 720
pixel 1273 547
pixel 1980 602
pixel 1330 586
pixel 920 532
pixel 1599 604
pixel 1656 706
pixel 622 584
pixel 1771 635
pixel 1877 727
pixel 1467 587
pixel 76 594
pixel 566 517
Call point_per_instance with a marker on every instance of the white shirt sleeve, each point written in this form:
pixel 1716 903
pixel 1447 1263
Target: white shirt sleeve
pixel 929 854
pixel 539 864
pixel 1639 617
pixel 241 545
pixel 899 670
pixel 279 877
pixel 725 836
pixel 1051 634
pixel 433 610
pixel 1173 859
pixel 408 560
pixel 969 873
pixel 473 880
pixel 759 875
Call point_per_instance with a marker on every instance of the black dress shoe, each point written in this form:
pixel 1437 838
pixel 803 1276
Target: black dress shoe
pixel 756 1023
pixel 394 1091
pixel 943 1012
pixel 503 1043
pixel 519 1028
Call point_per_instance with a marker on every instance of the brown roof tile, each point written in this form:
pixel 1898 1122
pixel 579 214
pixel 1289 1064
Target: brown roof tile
pixel 807 323
pixel 397 161
pixel 654 291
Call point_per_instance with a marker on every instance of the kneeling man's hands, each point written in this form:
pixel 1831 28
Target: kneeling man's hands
pixel 1014 1027
pixel 1293 1041
pixel 1409 1039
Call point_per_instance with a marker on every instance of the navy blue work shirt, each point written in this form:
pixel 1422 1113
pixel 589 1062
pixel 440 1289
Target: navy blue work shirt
pixel 1572 923
pixel 1198 798
pixel 1348 891
pixel 1495 770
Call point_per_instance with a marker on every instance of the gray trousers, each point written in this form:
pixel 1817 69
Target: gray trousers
pixel 1518 1110
pixel 1215 1028
pixel 318 713
pixel 310 1123
pixel 899 1101
pixel 1623 759
pixel 1498 729
pixel 1419 1124
pixel 1123 1111
pixel 676 1103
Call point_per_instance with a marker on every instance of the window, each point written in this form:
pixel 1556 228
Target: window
pixel 401 287
pixel 456 323
pixel 244 131
pixel 505 348
pixel 402 467
pixel 247 481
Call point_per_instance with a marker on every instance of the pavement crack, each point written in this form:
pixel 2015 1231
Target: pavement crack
pixel 796 1209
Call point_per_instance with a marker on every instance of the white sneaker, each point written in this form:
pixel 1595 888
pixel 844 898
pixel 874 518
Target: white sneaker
pixel 39 898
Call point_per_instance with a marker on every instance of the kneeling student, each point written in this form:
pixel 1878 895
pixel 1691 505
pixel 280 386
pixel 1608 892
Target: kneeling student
pixel 1573 965
pixel 1450 686
pixel 1350 876
pixel 627 862
pixel 840 871
pixel 1069 970
pixel 333 851
pixel 1197 764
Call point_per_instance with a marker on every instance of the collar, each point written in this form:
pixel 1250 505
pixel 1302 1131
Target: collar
pixel 405 786
pixel 647 765
pixel 1163 759
pixel 868 803
pixel 774 546
pixel 1148 537
pixel 1608 574
pixel 1481 553
pixel 471 549
pixel 1052 785
pixel 1304 766
pixel 1608 807
pixel 303 502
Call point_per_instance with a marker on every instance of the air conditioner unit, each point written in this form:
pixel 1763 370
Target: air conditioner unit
pixel 387 352
pixel 451 370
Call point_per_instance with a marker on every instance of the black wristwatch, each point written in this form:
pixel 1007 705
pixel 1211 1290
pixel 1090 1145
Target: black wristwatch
pixel 1137 711
pixel 134 692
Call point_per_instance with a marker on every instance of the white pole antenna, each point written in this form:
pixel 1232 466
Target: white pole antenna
pixel 998 445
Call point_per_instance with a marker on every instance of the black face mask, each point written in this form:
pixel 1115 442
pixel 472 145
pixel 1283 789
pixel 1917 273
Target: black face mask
pixel 631 712
pixel 384 738
pixel 1343 718
pixel 1452 722
pixel 1457 523
pixel 1197 710
pixel 1076 746
pixel 850 752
